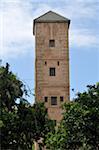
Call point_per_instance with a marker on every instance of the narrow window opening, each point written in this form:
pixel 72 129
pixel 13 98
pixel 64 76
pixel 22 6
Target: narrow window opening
pixel 51 43
pixel 52 72
pixel 46 99
pixel 45 62
pixel 61 98
pixel 46 110
pixel 58 63
pixel 53 100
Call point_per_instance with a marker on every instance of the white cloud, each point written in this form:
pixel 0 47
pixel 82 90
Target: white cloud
pixel 16 36
pixel 16 30
pixel 80 9
pixel 83 38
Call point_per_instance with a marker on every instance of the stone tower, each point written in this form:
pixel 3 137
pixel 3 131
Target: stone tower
pixel 52 62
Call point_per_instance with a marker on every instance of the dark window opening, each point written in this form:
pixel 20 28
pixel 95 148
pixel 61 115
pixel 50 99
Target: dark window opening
pixel 45 63
pixel 51 43
pixel 61 98
pixel 46 110
pixel 58 63
pixel 53 100
pixel 52 71
pixel 46 98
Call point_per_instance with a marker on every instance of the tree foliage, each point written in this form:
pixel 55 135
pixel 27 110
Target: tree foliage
pixel 11 88
pixel 20 123
pixel 79 129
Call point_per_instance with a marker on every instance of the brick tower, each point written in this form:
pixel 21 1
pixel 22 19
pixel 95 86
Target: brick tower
pixel 52 62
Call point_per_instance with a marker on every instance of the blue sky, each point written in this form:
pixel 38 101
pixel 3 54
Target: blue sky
pixel 17 45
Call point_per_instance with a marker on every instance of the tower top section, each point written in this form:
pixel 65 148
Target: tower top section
pixel 50 17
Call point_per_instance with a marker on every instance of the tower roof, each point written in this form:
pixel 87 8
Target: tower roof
pixel 51 16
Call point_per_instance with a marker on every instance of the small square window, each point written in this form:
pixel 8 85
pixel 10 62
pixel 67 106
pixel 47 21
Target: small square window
pixel 61 98
pixel 46 98
pixel 52 72
pixel 51 43
pixel 53 100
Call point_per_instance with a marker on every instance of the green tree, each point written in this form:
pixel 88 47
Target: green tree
pixel 79 129
pixel 11 88
pixel 20 123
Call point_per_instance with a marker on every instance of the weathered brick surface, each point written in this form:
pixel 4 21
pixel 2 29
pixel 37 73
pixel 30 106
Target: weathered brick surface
pixel 52 85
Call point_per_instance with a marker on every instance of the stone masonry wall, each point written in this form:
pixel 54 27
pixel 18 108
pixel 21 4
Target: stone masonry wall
pixel 52 85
